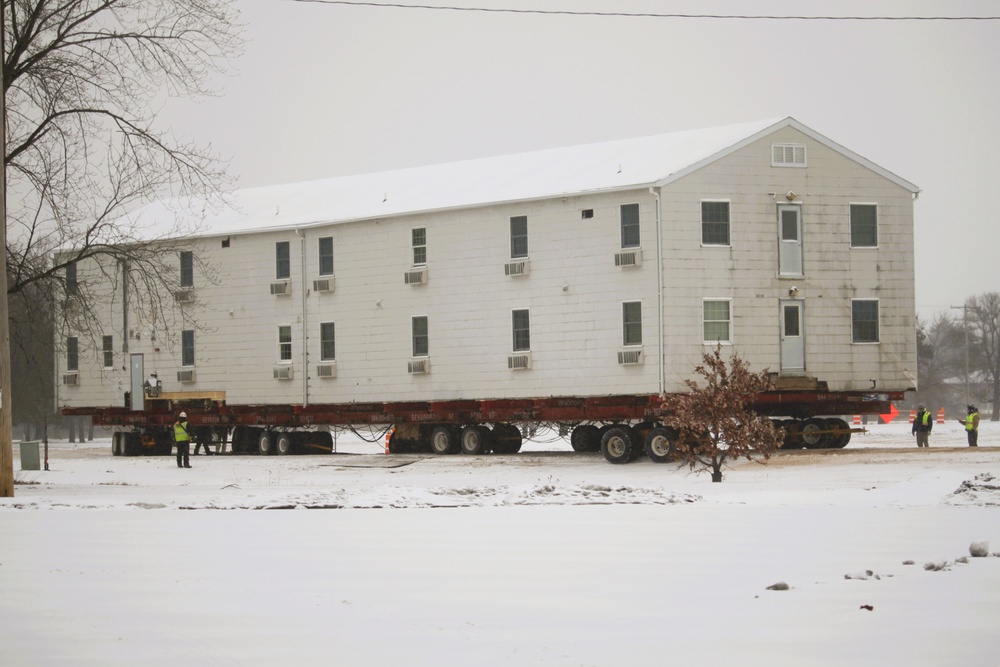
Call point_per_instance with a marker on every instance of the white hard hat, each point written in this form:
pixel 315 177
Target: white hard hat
pixel 184 415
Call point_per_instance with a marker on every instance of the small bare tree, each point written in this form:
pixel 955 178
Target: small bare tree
pixel 82 80
pixel 713 421
pixel 984 330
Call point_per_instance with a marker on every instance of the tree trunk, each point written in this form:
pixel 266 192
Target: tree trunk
pixel 995 416
pixel 716 471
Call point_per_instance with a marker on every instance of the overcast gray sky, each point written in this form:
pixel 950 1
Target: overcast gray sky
pixel 325 90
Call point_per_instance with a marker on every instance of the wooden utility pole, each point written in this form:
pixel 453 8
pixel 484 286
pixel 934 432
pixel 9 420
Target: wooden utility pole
pixel 6 437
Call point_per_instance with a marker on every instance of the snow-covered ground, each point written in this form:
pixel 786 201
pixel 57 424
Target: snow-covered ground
pixel 544 558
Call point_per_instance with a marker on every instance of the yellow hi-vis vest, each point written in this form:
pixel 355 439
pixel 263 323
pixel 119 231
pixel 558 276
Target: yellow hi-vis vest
pixel 180 432
pixel 970 421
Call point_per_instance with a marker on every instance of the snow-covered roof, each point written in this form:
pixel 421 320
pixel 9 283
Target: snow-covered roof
pixel 574 170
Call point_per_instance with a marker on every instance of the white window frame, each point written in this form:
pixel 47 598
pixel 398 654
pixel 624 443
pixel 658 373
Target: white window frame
pixel 729 224
pixel 707 300
pixel 427 336
pixel 514 330
pixel 187 268
pixel 278 261
pixel 72 354
pixel 513 254
pixel 414 247
pixel 322 341
pixel 878 322
pixel 785 148
pixel 320 256
pixel 107 351
pixel 184 363
pixel 850 223
pixel 638 224
pixel 625 325
pixel 291 351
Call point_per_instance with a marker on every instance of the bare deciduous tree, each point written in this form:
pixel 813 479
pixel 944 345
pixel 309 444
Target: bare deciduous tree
pixel 984 333
pixel 713 421
pixel 940 360
pixel 82 80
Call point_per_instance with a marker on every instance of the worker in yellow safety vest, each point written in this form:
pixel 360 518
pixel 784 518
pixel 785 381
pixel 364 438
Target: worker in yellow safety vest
pixel 971 423
pixel 922 425
pixel 182 438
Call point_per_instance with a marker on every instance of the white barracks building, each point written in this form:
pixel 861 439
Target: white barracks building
pixel 603 269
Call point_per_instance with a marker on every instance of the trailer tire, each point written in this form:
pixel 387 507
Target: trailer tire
pixel 585 438
pixel 475 440
pixel 445 440
pixel 814 433
pixel 842 432
pixel 619 444
pixel 660 444
pixel 130 444
pixel 506 439
pixel 284 444
pixel 265 444
pixel 116 443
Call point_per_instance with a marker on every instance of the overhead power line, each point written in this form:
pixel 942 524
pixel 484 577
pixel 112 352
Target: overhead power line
pixel 741 17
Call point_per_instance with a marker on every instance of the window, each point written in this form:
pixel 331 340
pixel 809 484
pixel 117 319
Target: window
pixel 630 225
pixel 72 286
pixel 187 347
pixel 420 338
pixel 864 320
pixel 282 260
pixel 109 351
pixel 715 223
pixel 717 321
pixel 187 268
pixel 327 341
pixel 326 256
pixel 788 155
pixel 418 239
pixel 864 226
pixel 519 237
pixel 522 331
pixel 285 342
pixel 72 354
pixel 632 323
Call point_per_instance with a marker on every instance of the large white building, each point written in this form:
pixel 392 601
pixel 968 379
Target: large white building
pixel 602 269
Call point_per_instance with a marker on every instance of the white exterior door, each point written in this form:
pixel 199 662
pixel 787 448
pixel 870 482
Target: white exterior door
pixel 137 378
pixel 790 240
pixel 793 340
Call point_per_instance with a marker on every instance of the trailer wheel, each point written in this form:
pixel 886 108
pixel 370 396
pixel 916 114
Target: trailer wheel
pixel 444 440
pixel 793 434
pixel 284 444
pixel 585 438
pixel 116 444
pixel 659 444
pixel 815 433
pixel 506 439
pixel 475 440
pixel 618 444
pixel 265 445
pixel 841 432
pixel 130 444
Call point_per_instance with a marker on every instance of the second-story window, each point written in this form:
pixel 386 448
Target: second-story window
pixel 519 237
pixel 187 268
pixel 418 240
pixel 632 323
pixel 282 260
pixel 326 256
pixel 72 286
pixel 108 349
pixel 327 341
pixel 715 223
pixel 630 225
pixel 864 226
pixel 72 354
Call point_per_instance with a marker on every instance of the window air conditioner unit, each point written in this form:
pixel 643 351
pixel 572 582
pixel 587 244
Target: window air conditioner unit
pixel 323 285
pixel 519 362
pixel 520 267
pixel 185 376
pixel 282 372
pixel 184 296
pixel 418 366
pixel 630 357
pixel 71 379
pixel 628 258
pixel 283 288
pixel 415 277
pixel 326 370
pixel 71 306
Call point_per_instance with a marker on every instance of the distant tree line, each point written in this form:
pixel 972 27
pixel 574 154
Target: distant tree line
pixel 958 357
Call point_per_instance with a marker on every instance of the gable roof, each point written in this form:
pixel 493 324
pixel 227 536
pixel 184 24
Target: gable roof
pixel 609 166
